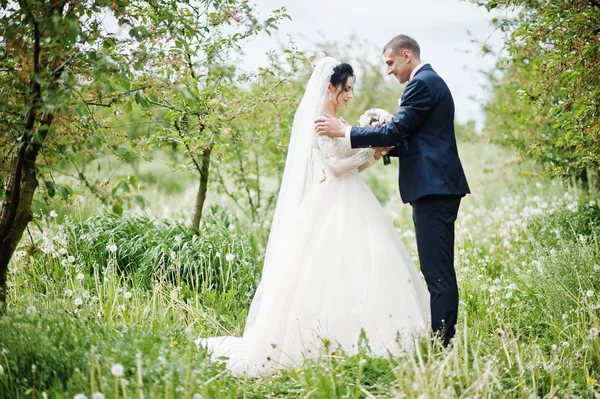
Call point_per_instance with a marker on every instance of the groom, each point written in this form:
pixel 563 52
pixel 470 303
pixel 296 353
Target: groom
pixel 431 176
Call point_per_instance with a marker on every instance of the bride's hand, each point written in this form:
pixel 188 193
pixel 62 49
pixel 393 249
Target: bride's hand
pixel 344 122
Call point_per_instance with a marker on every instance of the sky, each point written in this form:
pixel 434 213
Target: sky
pixel 440 26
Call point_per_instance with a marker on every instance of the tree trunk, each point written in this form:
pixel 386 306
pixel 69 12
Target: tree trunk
pixel 16 209
pixel 202 187
pixel 581 177
pixel 22 181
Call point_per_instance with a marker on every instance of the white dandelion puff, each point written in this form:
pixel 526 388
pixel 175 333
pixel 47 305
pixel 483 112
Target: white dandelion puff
pixel 117 370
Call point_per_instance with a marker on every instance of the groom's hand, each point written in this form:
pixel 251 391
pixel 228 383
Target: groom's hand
pixel 330 126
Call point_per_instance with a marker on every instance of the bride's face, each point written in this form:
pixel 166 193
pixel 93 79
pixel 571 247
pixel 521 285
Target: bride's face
pixel 341 96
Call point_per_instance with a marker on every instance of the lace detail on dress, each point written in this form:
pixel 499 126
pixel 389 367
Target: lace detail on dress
pixel 339 158
pixel 327 146
pixel 365 156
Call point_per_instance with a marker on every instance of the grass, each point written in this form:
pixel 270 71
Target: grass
pixel 89 295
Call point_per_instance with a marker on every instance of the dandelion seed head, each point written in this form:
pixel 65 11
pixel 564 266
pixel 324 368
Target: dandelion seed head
pixel 53 214
pixel 31 310
pixel 229 257
pixel 589 293
pixel 127 295
pixel 80 276
pixel 117 370
pixel 78 301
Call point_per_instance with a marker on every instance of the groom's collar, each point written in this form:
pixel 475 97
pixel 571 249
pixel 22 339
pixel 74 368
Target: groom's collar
pixel 414 71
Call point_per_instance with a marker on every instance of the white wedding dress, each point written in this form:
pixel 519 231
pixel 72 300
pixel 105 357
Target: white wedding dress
pixel 335 268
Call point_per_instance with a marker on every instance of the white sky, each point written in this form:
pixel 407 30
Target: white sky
pixel 440 27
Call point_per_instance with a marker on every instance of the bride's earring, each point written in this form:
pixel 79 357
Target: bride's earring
pixel 330 97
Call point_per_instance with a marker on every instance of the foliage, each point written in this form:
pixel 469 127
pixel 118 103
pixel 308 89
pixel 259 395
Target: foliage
pixel 546 103
pixel 68 84
pixel 197 92
pixel 251 162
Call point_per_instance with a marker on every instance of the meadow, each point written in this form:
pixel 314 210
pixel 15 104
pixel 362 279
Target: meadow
pixel 106 306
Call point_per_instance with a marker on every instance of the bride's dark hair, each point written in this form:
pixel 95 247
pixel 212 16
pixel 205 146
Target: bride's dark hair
pixel 340 75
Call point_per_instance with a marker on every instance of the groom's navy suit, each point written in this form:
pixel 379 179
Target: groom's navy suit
pixel 431 179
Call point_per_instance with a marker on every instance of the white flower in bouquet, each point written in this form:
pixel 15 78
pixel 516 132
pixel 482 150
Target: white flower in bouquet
pixel 374 117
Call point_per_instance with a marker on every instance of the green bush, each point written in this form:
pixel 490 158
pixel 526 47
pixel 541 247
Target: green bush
pixel 146 250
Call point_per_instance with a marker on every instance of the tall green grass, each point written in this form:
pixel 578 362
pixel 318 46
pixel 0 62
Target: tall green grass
pixel 90 295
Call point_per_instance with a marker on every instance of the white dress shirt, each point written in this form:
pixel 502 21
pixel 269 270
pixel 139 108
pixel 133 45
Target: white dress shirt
pixel 412 75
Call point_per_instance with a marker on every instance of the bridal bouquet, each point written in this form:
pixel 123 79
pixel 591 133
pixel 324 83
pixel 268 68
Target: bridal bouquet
pixel 376 117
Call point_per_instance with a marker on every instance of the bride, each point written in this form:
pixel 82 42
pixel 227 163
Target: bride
pixel 319 291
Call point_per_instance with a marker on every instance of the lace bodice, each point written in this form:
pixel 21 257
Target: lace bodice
pixel 339 158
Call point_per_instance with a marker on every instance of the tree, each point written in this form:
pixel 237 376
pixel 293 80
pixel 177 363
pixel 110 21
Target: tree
pixel 64 76
pixel 547 102
pixel 198 87
pixel 251 162
pixel 53 54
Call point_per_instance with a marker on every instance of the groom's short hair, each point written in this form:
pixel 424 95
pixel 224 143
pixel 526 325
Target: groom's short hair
pixel 403 42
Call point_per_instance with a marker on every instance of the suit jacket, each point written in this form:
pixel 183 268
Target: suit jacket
pixel 422 130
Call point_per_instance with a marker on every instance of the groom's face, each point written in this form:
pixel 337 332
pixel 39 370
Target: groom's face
pixel 398 64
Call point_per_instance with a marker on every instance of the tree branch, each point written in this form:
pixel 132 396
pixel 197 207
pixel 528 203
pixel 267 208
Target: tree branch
pixel 230 195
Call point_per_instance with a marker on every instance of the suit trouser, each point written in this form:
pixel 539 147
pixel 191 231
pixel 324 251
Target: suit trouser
pixel 434 217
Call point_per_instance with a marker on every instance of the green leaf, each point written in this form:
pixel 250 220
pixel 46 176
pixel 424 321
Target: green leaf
pixel 140 201
pixel 117 208
pixel 133 181
pixel 64 192
pixel 491 5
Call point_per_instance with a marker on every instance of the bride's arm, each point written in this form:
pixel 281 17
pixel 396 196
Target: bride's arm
pixel 371 161
pixel 339 167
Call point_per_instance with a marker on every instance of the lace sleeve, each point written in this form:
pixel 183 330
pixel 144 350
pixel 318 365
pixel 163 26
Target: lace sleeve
pixel 365 157
pixel 326 146
pixel 331 157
